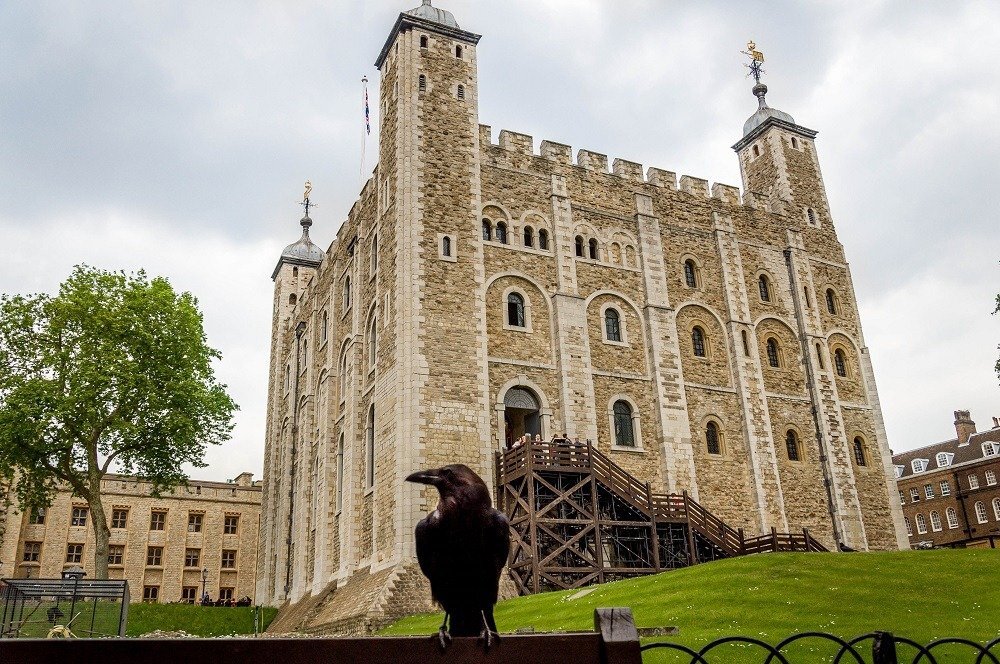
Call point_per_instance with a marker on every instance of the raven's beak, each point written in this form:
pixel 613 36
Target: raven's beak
pixel 431 477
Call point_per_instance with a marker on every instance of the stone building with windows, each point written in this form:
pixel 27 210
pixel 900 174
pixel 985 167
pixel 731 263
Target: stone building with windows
pixel 160 545
pixel 480 289
pixel 950 491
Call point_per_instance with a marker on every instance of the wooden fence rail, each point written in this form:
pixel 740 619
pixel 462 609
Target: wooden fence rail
pixel 613 641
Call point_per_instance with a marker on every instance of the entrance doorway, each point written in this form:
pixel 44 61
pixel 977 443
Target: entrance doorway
pixel 521 414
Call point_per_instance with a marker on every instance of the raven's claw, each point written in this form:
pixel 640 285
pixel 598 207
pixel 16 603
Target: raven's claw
pixel 489 638
pixel 444 638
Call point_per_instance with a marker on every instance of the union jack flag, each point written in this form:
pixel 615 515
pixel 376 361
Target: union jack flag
pixel 368 126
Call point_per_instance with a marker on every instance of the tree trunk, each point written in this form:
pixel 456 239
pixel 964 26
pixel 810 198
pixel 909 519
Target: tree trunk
pixel 102 533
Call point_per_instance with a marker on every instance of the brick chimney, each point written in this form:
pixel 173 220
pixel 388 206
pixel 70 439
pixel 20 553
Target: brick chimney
pixel 964 426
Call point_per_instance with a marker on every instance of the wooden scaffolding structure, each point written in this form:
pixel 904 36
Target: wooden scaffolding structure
pixel 578 518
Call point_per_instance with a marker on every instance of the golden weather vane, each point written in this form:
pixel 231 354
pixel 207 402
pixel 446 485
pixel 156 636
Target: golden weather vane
pixel 306 203
pixel 756 60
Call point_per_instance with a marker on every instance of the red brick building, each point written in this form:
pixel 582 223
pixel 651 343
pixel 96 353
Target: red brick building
pixel 950 491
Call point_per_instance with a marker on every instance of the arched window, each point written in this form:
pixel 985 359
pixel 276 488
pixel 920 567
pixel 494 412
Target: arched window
pixel 773 358
pixel 612 325
pixel 952 517
pixel 764 286
pixel 340 473
pixel 698 341
pixel 593 248
pixel 304 362
pixel 921 524
pixel 373 262
pixel 981 515
pixel 529 236
pixel 805 294
pixel 458 51
pixel 422 83
pixel 690 275
pixel 756 151
pixel 811 215
pixel 624 431
pixel 372 345
pixel 370 449
pixel 291 298
pixel 795 143
pixel 712 442
pixel 935 521
pixel 515 310
pixel 579 246
pixel 819 356
pixel 501 232
pixel 996 508
pixel 295 271
pixel 792 445
pixel 831 301
pixel 461 92
pixel 909 529
pixel 347 293
pixel 423 41
pixel 343 376
pixel 543 239
pixel 840 363
pixel 487 230
pixel 446 246
pixel 859 451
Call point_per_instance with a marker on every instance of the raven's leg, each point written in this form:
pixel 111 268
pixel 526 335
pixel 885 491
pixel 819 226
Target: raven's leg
pixel 489 635
pixel 444 638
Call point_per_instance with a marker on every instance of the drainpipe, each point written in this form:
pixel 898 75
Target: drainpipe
pixel 806 354
pixel 299 331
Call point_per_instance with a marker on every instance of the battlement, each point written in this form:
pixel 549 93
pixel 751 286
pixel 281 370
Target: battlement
pixel 630 171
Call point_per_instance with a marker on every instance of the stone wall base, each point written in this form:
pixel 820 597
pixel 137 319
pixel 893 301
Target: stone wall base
pixel 360 605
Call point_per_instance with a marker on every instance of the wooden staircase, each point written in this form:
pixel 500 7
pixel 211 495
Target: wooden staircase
pixel 578 518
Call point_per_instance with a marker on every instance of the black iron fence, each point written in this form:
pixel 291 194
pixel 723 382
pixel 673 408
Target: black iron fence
pixel 874 648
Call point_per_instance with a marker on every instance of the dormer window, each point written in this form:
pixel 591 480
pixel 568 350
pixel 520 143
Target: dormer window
pixel 899 471
pixel 990 449
pixel 919 465
pixel 944 459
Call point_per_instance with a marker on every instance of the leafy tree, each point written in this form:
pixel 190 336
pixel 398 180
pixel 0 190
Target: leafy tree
pixel 114 370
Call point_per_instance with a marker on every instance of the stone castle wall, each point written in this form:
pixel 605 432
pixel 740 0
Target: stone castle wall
pixel 420 343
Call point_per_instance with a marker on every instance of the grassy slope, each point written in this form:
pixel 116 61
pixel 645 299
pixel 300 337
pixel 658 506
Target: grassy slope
pixel 923 595
pixel 197 620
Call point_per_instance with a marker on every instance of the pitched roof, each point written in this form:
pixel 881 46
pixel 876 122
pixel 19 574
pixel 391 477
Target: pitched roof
pixel 972 451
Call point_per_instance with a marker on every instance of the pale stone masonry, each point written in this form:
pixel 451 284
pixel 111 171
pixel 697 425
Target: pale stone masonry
pixel 479 290
pixel 159 543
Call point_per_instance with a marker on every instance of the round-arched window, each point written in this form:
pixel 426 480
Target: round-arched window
pixel 612 325
pixel 773 358
pixel 712 439
pixel 515 310
pixel 624 431
pixel 698 341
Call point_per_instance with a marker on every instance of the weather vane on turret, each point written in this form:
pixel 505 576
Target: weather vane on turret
pixel 305 198
pixel 756 68
pixel 756 60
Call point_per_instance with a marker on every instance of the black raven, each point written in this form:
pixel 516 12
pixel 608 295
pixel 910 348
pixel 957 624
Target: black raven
pixel 462 547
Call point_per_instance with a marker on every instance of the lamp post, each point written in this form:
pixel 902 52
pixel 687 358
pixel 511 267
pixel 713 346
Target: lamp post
pixel 204 581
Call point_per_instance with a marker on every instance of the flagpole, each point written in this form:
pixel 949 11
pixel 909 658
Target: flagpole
pixel 364 137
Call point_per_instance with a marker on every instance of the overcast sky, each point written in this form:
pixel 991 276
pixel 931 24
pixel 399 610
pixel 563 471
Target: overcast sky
pixel 175 136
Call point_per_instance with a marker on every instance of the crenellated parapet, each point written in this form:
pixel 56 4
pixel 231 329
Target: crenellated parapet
pixel 523 145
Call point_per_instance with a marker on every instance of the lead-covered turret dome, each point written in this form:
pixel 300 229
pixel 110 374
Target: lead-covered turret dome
pixel 764 111
pixel 302 252
pixel 429 13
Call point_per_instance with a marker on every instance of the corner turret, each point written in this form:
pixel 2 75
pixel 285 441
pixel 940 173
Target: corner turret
pixel 778 160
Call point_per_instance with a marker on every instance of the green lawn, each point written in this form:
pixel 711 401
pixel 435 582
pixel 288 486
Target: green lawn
pixel 923 595
pixel 196 620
